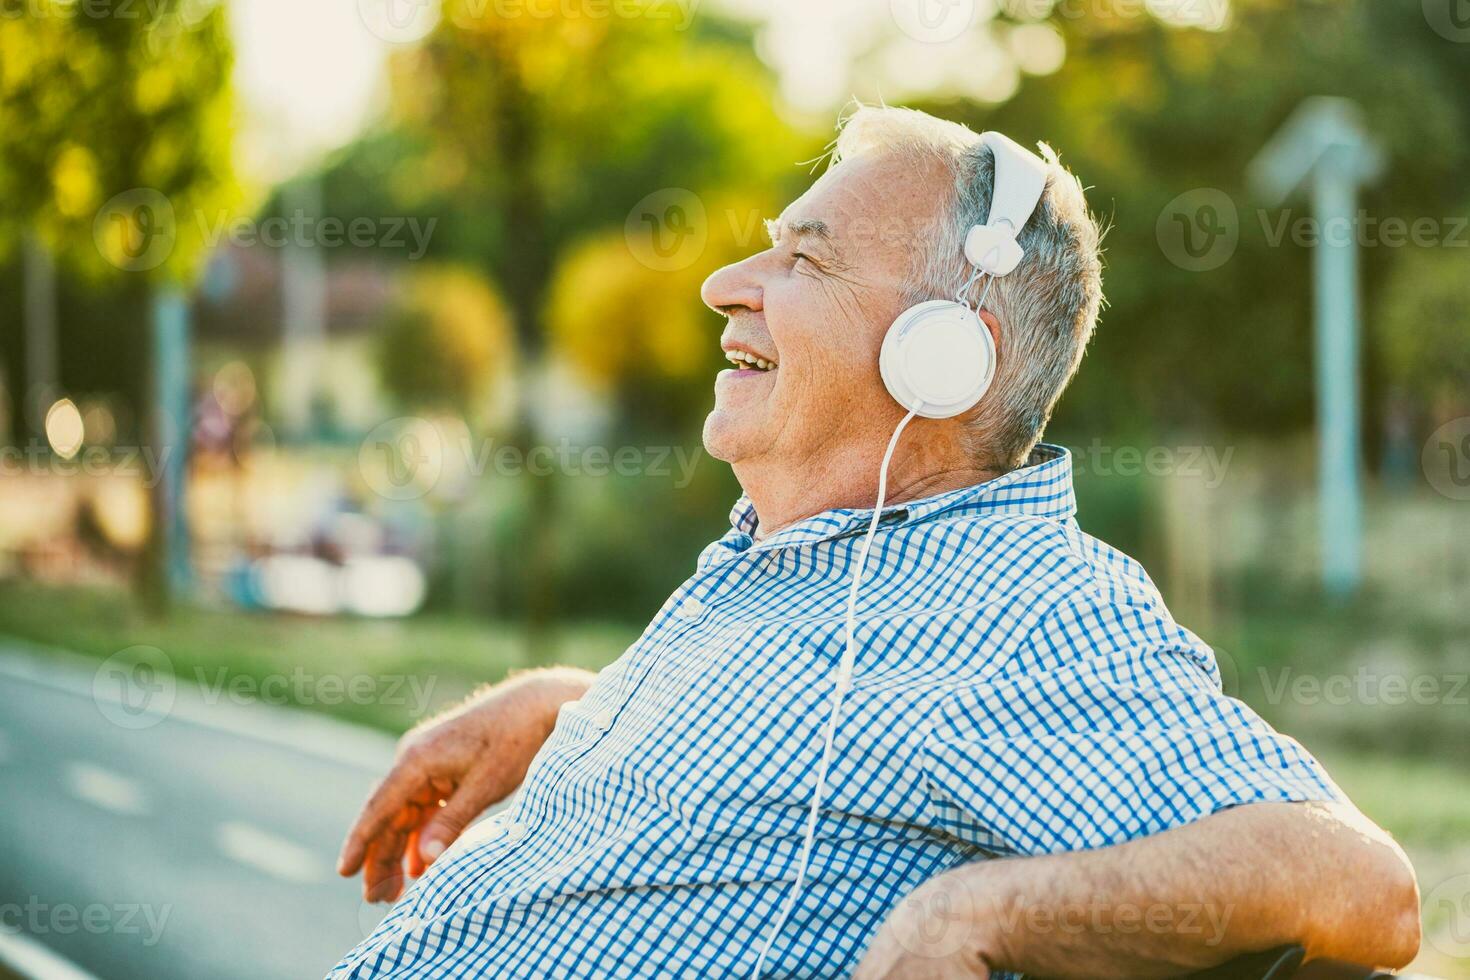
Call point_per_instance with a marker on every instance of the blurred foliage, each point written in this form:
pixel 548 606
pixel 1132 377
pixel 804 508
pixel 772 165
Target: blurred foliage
pixel 533 138
pixel 95 104
pixel 638 332
pixel 1424 334
pixel 527 134
pixel 1144 113
pixel 445 341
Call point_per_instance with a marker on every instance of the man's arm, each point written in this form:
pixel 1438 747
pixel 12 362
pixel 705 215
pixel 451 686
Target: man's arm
pixel 1242 880
pixel 469 757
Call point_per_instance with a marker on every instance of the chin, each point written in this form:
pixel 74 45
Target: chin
pixel 727 437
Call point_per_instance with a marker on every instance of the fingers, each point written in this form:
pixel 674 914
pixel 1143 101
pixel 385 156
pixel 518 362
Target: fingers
pixel 388 798
pixel 412 857
pixel 382 869
pixel 449 821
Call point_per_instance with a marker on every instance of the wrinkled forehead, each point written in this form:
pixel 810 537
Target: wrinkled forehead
pixel 877 206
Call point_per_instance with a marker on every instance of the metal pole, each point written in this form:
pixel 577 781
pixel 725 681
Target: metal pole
pixel 303 308
pixel 172 405
pixel 40 326
pixel 1335 283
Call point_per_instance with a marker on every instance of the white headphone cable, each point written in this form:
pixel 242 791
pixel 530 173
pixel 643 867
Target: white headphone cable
pixel 845 668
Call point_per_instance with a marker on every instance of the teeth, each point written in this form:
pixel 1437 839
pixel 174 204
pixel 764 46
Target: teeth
pixel 741 358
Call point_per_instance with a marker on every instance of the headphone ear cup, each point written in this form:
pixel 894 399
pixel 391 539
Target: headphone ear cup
pixel 938 359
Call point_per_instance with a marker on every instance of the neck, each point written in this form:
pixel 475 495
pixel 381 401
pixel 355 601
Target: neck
pixel 930 459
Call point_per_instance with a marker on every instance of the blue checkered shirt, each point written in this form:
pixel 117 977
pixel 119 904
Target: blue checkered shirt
pixel 1020 689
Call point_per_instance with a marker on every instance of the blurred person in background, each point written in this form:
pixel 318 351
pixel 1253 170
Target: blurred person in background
pixel 1031 738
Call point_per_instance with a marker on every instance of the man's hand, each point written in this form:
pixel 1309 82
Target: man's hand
pixel 448 771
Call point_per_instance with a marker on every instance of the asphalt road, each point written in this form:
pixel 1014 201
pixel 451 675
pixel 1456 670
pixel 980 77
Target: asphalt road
pixel 188 838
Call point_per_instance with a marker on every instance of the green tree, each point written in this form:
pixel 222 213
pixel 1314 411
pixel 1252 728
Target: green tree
pixel 530 133
pixel 115 127
pixel 445 341
pixel 1146 112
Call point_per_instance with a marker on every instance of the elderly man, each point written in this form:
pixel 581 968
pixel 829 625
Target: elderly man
pixel 1033 768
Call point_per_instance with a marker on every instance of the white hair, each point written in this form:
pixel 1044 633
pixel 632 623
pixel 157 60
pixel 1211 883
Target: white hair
pixel 1046 308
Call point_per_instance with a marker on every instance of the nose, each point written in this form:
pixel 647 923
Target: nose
pixel 734 288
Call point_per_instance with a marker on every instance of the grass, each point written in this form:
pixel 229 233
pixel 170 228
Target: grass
pixel 311 662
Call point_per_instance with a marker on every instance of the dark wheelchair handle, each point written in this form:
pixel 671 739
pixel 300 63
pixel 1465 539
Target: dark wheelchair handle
pixel 1272 964
pixel 1285 962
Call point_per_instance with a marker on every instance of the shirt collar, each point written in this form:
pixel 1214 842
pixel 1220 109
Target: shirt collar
pixel 1041 488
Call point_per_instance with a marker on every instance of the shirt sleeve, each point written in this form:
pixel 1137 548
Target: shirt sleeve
pixel 1107 726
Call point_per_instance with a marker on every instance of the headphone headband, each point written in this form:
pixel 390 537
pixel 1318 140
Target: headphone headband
pixel 1020 180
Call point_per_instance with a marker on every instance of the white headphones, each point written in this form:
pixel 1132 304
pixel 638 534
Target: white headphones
pixel 938 358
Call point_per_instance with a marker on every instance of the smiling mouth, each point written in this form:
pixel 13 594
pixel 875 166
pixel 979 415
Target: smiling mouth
pixel 748 361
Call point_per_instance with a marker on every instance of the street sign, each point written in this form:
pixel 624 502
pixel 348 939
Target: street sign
pixel 1325 147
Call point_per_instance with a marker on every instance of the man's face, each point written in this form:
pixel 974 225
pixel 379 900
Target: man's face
pixel 816 305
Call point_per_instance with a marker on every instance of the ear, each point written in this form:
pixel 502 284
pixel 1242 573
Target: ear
pixel 993 325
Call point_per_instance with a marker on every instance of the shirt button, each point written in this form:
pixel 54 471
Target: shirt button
pixel 410 922
pixel 515 832
pixel 690 609
pixel 604 718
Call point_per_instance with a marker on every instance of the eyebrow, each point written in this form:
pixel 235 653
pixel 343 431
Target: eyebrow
pixel 806 227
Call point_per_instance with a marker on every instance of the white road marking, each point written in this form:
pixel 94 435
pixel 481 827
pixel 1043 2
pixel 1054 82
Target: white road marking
pixel 262 850
pixel 106 789
pixel 24 956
